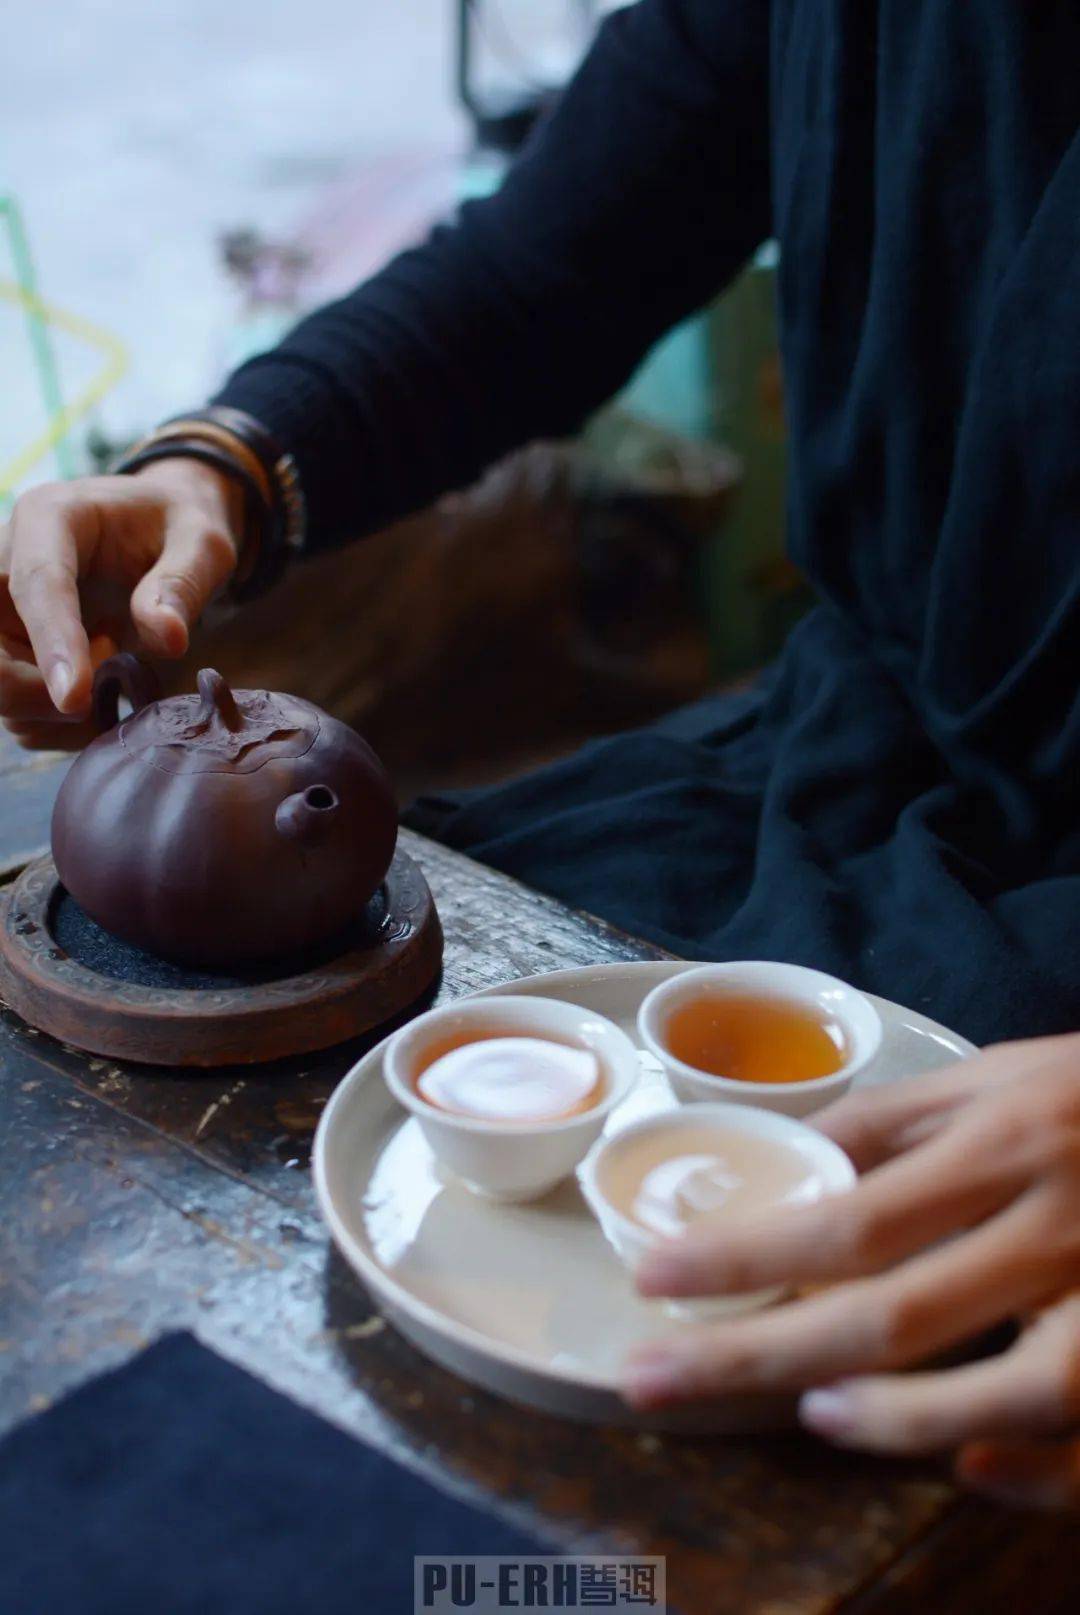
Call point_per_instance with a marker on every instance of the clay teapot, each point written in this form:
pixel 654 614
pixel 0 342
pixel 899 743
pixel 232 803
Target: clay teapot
pixel 221 829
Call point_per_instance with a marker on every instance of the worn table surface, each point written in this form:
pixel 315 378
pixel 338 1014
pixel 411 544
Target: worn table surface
pixel 134 1200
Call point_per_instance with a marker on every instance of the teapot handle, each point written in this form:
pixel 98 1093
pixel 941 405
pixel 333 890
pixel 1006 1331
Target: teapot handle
pixel 122 674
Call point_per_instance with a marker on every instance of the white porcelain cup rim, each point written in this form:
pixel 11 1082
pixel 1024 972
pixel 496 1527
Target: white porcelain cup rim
pixel 770 979
pixel 836 1166
pixel 620 1072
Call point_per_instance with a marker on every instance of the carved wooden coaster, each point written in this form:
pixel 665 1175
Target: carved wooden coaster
pixel 65 975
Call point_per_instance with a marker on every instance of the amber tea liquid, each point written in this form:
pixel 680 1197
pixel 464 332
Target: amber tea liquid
pixel 754 1039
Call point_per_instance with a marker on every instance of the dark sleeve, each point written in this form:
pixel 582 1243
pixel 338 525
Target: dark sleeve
pixel 632 205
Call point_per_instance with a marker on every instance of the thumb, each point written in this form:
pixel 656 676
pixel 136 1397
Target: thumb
pixel 197 558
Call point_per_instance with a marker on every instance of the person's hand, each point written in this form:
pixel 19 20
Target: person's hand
pixel 968 1216
pixel 88 566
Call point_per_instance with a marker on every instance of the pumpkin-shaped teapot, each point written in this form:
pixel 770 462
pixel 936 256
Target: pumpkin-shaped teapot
pixel 221 829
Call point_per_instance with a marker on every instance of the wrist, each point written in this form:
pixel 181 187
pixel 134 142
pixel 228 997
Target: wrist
pixel 211 491
pixel 274 516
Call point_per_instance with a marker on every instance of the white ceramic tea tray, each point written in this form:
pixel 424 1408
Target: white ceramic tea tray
pixel 527 1301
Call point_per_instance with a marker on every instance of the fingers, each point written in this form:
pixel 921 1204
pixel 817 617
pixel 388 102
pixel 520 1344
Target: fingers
pixel 43 586
pixel 876 1124
pixel 896 1210
pixel 1025 1474
pixel 902 1317
pixel 1006 1396
pixel 26 708
pixel 170 530
pixel 24 697
pixel 197 558
pixel 993 1409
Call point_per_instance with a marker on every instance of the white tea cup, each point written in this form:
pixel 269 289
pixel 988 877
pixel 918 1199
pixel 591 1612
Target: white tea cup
pixel 825 997
pixel 826 1171
pixel 511 1160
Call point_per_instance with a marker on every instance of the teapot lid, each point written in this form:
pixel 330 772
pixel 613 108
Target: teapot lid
pixel 219 731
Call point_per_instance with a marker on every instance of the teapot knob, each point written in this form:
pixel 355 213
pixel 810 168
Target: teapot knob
pixel 123 674
pixel 306 814
pixel 218 700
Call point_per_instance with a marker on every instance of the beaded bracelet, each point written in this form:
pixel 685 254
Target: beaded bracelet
pixel 280 467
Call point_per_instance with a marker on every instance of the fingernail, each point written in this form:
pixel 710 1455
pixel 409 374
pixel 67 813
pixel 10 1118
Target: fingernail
pixel 830 1412
pixel 168 602
pixel 61 680
pixel 650 1378
pixel 175 635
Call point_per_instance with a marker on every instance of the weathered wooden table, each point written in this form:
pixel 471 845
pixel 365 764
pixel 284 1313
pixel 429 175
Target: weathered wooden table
pixel 134 1201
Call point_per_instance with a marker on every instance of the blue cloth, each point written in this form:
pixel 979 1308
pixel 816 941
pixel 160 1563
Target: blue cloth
pixel 179 1485
pixel 902 805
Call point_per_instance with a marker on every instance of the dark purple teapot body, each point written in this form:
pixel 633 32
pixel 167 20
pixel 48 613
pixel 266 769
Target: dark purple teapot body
pixel 222 829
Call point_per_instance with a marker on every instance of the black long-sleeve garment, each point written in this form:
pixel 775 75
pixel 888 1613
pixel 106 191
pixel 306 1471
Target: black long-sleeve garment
pixel 899 799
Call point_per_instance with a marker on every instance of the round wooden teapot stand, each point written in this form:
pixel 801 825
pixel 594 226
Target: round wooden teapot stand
pixel 66 976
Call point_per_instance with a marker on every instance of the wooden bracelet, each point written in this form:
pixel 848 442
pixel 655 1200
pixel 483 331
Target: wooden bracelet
pixel 274 515
pixel 288 531
pixel 279 465
pixel 191 427
pixel 257 514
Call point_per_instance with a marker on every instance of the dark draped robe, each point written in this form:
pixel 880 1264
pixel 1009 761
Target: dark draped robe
pixel 898 799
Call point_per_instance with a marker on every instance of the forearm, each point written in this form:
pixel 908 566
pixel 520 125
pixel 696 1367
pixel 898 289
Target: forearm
pixel 639 198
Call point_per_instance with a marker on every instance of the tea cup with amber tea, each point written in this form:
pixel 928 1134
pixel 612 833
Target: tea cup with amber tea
pixel 757 1033
pixel 656 1178
pixel 510 1092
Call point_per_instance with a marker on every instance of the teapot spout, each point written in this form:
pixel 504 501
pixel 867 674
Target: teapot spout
pixel 305 815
